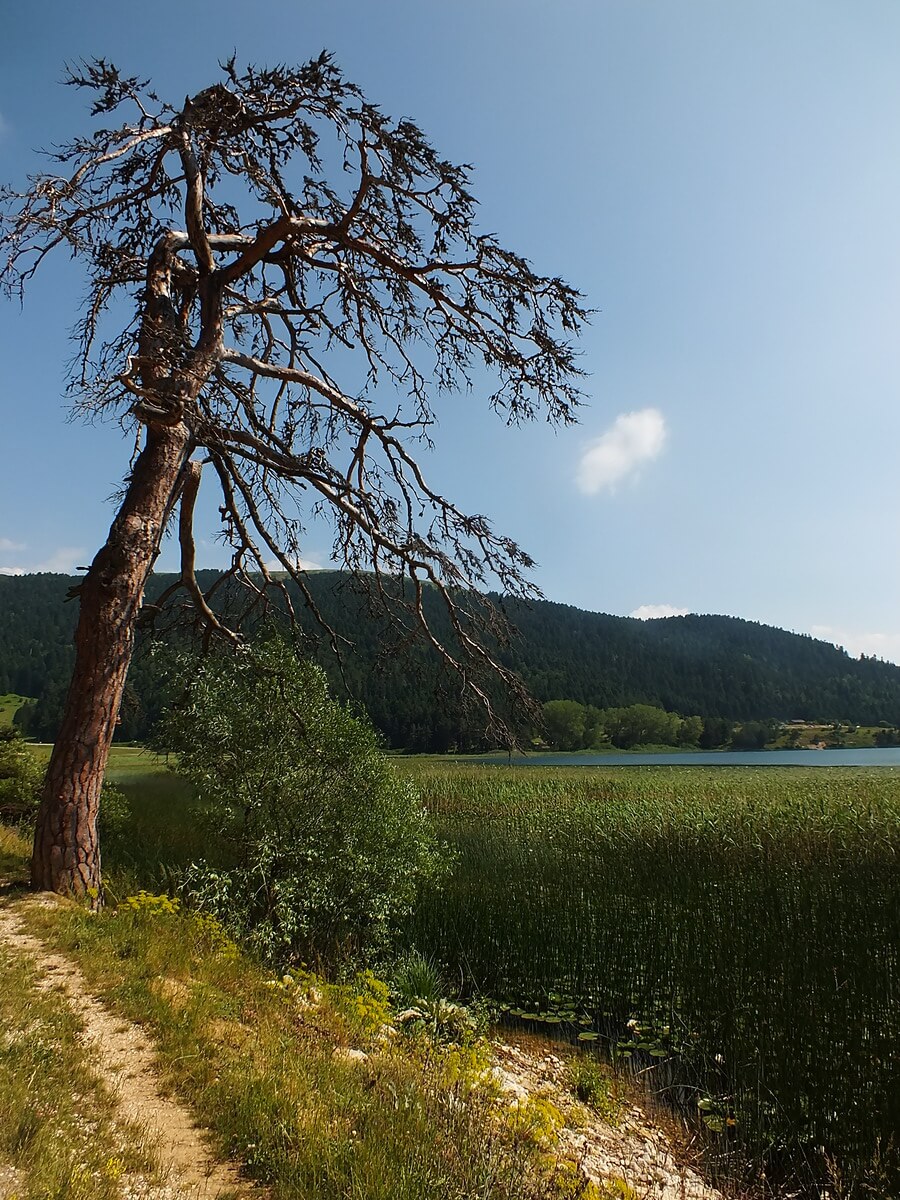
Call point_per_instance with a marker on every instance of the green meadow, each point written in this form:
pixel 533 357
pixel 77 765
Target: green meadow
pixel 10 703
pixel 162 832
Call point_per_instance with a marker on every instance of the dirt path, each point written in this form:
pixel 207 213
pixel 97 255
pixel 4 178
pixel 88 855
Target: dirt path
pixel 123 1057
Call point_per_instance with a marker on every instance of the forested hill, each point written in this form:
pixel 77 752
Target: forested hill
pixel 711 666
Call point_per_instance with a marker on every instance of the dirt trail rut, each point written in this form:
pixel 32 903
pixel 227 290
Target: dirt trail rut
pixel 123 1057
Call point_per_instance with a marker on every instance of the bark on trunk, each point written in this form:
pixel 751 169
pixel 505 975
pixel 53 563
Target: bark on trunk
pixel 66 856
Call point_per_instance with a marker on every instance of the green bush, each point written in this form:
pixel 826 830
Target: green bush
pixel 592 1085
pixel 20 778
pixel 115 814
pixel 317 846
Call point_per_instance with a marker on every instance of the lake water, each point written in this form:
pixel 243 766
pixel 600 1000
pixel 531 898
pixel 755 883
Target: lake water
pixel 889 756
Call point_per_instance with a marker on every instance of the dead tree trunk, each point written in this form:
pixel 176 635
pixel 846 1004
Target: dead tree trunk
pixel 66 856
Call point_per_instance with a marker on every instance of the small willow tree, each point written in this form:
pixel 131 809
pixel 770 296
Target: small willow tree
pixel 281 283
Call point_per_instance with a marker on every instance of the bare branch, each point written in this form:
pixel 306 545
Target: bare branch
pixel 190 488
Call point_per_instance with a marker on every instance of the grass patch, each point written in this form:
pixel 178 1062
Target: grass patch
pixel 15 852
pixel 593 1084
pixel 10 703
pixel 123 762
pixel 58 1136
pixel 162 833
pixel 801 736
pixel 269 1072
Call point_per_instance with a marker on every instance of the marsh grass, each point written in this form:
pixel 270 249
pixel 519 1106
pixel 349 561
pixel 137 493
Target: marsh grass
pixel 730 935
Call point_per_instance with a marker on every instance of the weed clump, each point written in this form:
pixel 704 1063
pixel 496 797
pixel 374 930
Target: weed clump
pixel 591 1083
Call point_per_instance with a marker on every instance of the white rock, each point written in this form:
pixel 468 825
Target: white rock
pixel 348 1054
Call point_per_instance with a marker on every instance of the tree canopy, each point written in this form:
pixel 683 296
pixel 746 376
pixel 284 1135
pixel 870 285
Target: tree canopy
pixel 718 667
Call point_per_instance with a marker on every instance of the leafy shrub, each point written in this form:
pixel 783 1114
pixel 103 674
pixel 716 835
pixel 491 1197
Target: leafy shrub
pixel 321 846
pixel 115 813
pixel 20 778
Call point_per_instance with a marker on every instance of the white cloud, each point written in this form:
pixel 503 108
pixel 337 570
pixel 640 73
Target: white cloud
pixel 881 645
pixel 652 612
pixel 61 562
pixel 9 544
pixel 305 564
pixel 632 439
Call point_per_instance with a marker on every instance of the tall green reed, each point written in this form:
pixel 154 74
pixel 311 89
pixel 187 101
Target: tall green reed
pixel 733 934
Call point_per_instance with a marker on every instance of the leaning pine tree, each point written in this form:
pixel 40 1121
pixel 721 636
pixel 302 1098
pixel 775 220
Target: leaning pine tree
pixel 280 281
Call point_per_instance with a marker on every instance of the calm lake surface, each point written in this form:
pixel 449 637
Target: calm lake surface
pixel 887 757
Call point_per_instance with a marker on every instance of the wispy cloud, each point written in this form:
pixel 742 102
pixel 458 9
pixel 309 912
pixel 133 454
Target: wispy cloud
pixel 64 560
pixel 304 564
pixel 633 439
pixel 61 562
pixel 7 545
pixel 879 645
pixel 652 612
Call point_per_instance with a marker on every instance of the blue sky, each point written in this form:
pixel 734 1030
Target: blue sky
pixel 722 180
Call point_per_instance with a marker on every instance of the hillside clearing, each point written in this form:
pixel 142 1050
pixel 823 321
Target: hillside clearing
pixel 10 703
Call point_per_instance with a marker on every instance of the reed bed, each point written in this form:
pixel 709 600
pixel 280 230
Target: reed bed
pixel 730 934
